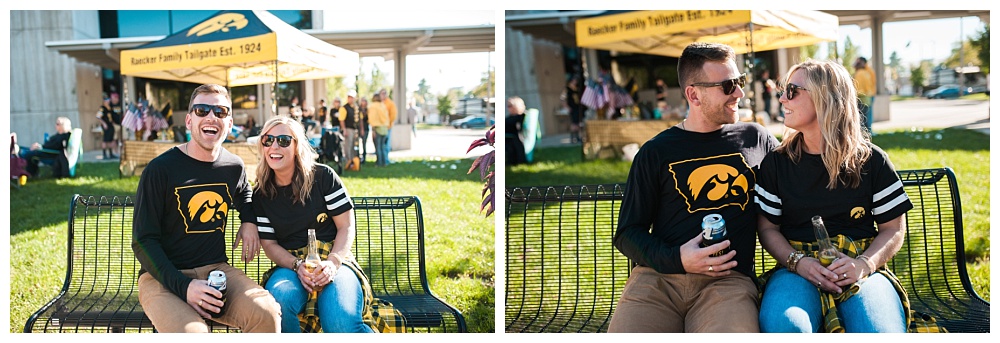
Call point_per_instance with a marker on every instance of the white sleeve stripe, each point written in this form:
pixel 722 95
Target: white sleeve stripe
pixel 263 220
pixel 768 209
pixel 887 191
pixel 767 195
pixel 890 205
pixel 267 229
pixel 338 204
pixel 333 195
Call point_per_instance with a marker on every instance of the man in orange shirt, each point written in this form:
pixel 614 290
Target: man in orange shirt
pixel 391 106
pixel 865 78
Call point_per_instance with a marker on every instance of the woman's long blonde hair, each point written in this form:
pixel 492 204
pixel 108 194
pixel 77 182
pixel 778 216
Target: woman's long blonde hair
pixel 835 95
pixel 305 159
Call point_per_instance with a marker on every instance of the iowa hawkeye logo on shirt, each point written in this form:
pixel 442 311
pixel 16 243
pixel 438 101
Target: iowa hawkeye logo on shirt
pixel 203 207
pixel 712 183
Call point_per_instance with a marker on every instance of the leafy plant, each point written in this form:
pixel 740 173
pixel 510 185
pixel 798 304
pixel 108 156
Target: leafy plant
pixel 486 171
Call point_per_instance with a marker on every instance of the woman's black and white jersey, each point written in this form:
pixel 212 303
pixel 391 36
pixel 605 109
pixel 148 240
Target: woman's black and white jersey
pixel 287 222
pixel 789 194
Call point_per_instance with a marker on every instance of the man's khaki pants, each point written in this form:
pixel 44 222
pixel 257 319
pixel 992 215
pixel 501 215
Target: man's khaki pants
pixel 249 307
pixel 654 302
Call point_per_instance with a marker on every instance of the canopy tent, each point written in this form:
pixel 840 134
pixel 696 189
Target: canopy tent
pixel 668 32
pixel 238 48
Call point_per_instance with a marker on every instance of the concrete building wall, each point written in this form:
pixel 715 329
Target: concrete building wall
pixel 535 72
pixel 53 84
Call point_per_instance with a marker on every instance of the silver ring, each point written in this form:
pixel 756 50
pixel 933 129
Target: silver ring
pixel 200 302
pixel 844 276
pixel 711 269
pixel 819 284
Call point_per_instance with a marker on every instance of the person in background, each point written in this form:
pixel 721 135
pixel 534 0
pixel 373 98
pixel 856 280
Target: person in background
pixel 365 128
pixel 390 106
pixel 321 114
pixel 106 117
pixel 864 75
pixel 350 126
pixel 380 121
pixel 514 124
pixel 38 153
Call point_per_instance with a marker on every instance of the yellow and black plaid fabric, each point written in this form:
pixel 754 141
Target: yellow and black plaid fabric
pixel 379 314
pixel 916 321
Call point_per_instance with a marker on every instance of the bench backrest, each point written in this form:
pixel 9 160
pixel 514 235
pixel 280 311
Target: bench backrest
pixel 562 272
pixel 558 237
pixel 388 245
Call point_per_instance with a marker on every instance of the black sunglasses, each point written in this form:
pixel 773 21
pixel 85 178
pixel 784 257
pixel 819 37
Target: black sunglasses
pixel 728 86
pixel 283 140
pixel 792 90
pixel 201 110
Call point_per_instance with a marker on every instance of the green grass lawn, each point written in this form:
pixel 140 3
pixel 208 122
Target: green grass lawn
pixel 966 152
pixel 459 239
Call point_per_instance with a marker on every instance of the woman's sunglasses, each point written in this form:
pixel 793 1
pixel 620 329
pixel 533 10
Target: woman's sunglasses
pixel 201 110
pixel 283 140
pixel 792 90
pixel 728 86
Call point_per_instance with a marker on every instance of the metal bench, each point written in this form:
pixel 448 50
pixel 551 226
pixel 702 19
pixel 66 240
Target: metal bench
pixel 563 274
pixel 100 293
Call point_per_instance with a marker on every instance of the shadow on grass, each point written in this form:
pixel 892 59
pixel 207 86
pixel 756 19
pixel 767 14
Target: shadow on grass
pixel 45 201
pixel 933 139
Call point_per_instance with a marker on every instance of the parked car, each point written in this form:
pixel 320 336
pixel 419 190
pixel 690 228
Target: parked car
pixel 476 121
pixel 944 92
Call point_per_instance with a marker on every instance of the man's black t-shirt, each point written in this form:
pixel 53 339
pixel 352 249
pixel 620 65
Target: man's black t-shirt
pixel 286 221
pixel 679 177
pixel 181 210
pixel 57 141
pixel 789 194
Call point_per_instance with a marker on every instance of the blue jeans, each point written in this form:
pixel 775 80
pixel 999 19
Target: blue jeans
pixel 381 149
pixel 339 306
pixel 791 304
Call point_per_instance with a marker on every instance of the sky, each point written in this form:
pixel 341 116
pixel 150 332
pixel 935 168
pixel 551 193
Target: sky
pixel 927 39
pixel 442 71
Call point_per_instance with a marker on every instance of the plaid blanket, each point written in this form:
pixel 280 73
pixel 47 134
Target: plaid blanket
pixel 916 321
pixel 379 314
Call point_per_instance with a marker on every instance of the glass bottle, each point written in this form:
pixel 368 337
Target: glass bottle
pixel 312 256
pixel 827 253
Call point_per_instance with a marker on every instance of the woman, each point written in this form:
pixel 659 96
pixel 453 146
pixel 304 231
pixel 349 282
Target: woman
pixel 106 117
pixel 378 117
pixel 295 194
pixel 826 166
pixel 365 129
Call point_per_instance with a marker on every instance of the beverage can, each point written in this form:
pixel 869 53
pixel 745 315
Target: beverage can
pixel 217 279
pixel 713 230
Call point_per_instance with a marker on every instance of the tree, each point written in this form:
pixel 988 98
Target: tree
pixel 917 79
pixel 335 87
pixel 809 51
pixel 851 53
pixel 482 90
pixel 895 68
pixel 967 55
pixel 422 94
pixel 982 43
pixel 444 107
pixel 369 84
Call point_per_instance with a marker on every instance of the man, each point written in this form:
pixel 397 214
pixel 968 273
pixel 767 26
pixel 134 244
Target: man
pixel 48 152
pixel 349 124
pixel 181 210
pixel 117 115
pixel 335 113
pixel 391 106
pixel 105 116
pixel 411 116
pixel 865 77
pixel 702 166
pixel 321 114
